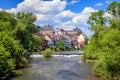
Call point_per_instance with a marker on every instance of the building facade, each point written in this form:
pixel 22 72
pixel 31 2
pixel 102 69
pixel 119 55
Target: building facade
pixel 70 38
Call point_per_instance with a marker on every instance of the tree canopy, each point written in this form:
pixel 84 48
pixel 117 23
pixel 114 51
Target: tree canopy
pixel 97 18
pixel 114 9
pixel 104 46
pixel 16 39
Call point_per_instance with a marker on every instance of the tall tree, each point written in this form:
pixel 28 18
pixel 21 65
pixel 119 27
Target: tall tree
pixel 24 20
pixel 25 28
pixel 114 9
pixel 27 18
pixel 104 45
pixel 97 18
pixel 7 21
pixel 11 52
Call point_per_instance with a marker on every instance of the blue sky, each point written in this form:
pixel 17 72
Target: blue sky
pixel 60 13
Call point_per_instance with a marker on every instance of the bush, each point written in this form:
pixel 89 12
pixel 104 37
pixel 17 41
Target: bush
pixel 15 49
pixel 60 46
pixel 53 48
pixel 48 53
pixel 108 66
pixel 6 63
pixel 100 68
pixel 91 50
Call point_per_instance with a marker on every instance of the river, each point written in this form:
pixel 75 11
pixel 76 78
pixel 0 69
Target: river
pixel 60 67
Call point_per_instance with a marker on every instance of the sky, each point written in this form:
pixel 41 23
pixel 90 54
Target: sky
pixel 66 14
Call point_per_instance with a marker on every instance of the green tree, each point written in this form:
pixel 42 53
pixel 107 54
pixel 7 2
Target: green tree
pixel 25 28
pixel 115 23
pixel 26 17
pixel 97 22
pixel 114 9
pixel 24 20
pixel 35 44
pixel 7 22
pixel 12 53
pixel 97 18
pixel 108 64
pixel 104 47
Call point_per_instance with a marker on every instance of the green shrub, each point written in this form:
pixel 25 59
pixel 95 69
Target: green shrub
pixel 6 63
pixel 108 66
pixel 60 46
pixel 53 48
pixel 16 51
pixel 100 68
pixel 48 53
pixel 57 49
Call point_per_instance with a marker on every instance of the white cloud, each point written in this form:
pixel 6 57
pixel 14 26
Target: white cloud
pixel 46 11
pixel 42 18
pixel 1 9
pixel 108 1
pixel 65 14
pixel 83 16
pixel 53 12
pixel 73 2
pixel 39 6
pixel 67 24
pixel 107 15
pixel 99 4
pixel 51 18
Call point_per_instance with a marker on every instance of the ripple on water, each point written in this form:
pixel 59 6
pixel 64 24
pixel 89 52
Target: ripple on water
pixel 57 68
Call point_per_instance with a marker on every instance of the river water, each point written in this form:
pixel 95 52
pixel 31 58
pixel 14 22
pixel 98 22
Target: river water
pixel 60 67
